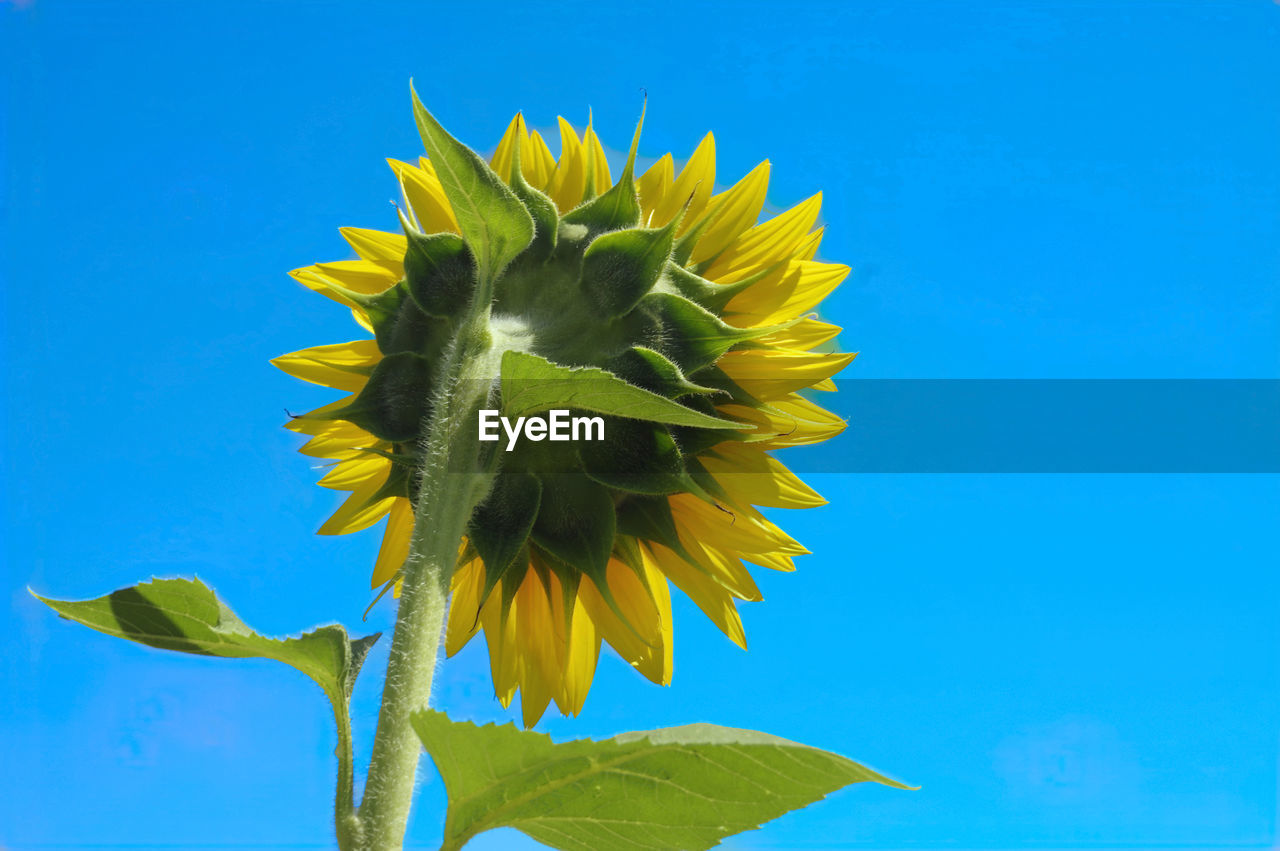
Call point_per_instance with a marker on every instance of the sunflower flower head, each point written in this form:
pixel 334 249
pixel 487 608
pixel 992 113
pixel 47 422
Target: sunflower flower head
pixel 656 282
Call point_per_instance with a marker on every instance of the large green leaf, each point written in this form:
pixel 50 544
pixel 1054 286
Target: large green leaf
pixel 185 615
pixel 496 226
pixel 675 788
pixel 531 384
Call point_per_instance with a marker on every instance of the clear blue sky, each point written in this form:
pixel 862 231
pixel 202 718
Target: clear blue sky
pixel 1026 190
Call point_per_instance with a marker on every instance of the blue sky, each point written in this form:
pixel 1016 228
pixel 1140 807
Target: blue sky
pixel 1024 190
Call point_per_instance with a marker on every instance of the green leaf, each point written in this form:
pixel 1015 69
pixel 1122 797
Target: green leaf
pixel 676 788
pixel 494 223
pixel 531 384
pixel 185 615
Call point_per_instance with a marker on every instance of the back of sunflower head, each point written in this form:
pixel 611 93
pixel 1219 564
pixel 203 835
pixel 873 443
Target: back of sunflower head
pixel 651 302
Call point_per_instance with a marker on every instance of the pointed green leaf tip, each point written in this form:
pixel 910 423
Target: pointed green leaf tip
pixel 620 206
pixel 676 788
pixel 496 226
pixel 531 384
pixel 185 615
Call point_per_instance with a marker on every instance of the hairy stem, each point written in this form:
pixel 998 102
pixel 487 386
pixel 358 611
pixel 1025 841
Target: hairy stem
pixel 454 479
pixel 346 825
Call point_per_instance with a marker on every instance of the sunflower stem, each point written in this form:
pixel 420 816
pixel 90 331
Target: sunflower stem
pixel 455 477
pixel 346 825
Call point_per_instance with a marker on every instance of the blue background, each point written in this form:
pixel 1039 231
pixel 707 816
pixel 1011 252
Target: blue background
pixel 1025 190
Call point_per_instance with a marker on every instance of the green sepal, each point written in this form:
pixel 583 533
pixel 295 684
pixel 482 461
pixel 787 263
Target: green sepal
pixel 695 441
pixel 501 525
pixel 570 579
pixel 392 404
pixel 652 371
pixel 649 518
pixel 619 206
pixel 531 384
pixel 620 267
pixel 688 334
pixel 711 490
pixel 683 248
pixel 516 572
pixel 714 377
pixel 576 523
pixel 440 272
pixel 495 225
pixel 399 324
pixel 699 290
pixel 546 219
pixel 409 460
pixel 398 480
pixel 639 457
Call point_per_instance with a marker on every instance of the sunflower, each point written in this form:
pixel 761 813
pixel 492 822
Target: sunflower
pixel 577 544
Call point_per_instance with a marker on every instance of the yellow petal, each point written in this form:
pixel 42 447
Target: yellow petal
pixel 743 530
pixel 502 157
pixel 652 187
pixel 805 284
pixel 425 196
pixel 720 565
pixel 320 421
pixel 769 242
pixel 538 631
pixel 788 422
pixel 360 511
pixel 769 374
pixel 570 177
pixel 694 186
pixel 597 165
pixel 715 602
pixel 344 366
pixel 383 249
pixel 342 444
pixel 804 335
pixel 500 636
pixel 582 652
pixel 644 639
pixel 311 278
pixel 750 476
pixel 732 212
pixel 359 275
pixel 352 473
pixel 538 163
pixel 464 606
pixel 395 542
